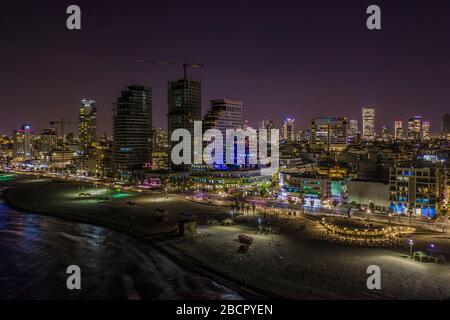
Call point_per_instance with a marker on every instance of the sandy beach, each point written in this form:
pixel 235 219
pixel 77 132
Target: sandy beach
pixel 291 264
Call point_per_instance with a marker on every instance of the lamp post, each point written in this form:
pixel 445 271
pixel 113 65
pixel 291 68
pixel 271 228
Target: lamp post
pixel 368 214
pixel 411 244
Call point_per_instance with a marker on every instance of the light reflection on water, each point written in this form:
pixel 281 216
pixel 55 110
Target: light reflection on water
pixel 36 250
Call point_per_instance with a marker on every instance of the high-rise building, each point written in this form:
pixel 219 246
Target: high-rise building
pixel 426 130
pixel 22 147
pixel 385 136
pixel 353 128
pixel 185 106
pixel 132 131
pixel 159 139
pixel 329 133
pixel 268 125
pixel 48 140
pixel 87 124
pixel 398 130
pixel 287 132
pixel 224 114
pixel 368 122
pixel 445 125
pixel 160 149
pixel 303 136
pixel 414 128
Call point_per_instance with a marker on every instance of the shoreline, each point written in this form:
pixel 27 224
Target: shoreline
pixel 156 241
pixel 289 265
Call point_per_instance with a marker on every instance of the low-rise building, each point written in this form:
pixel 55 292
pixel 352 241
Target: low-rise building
pixel 313 191
pixel 417 189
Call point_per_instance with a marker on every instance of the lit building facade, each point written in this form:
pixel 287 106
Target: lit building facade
pixel 268 125
pixel 368 123
pixel 87 124
pixel 414 128
pixel 132 131
pixel 445 125
pixel 160 149
pixel 224 114
pixel 398 130
pixel 22 142
pixel 311 190
pixel 329 134
pixel 287 132
pixel 416 189
pixel 184 107
pixel 353 129
pixel 385 135
pixel 426 130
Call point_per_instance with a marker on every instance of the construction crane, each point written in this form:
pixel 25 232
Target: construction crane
pixel 184 65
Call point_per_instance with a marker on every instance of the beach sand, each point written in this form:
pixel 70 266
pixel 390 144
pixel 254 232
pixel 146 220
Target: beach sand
pixel 291 264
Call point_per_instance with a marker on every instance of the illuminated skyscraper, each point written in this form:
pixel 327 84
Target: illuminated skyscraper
pixel 445 125
pixel 385 136
pixel 353 127
pixel 160 143
pixel 368 122
pixel 22 147
pixel 329 133
pixel 87 123
pixel 414 128
pixel 185 107
pixel 132 130
pixel 426 130
pixel 288 133
pixel 269 125
pixel 224 114
pixel 48 139
pixel 398 130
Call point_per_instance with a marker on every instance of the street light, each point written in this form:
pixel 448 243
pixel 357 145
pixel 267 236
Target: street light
pixel 411 244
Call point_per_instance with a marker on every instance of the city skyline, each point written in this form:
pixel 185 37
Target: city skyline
pixel 304 80
pixel 224 155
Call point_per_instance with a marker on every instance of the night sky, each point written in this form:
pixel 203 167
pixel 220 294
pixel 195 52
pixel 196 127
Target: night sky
pixel 282 58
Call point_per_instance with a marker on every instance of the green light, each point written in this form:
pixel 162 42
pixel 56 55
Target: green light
pixel 121 195
pixel 6 177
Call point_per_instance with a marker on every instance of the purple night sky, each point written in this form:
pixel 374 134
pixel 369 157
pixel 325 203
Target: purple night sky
pixel 282 58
